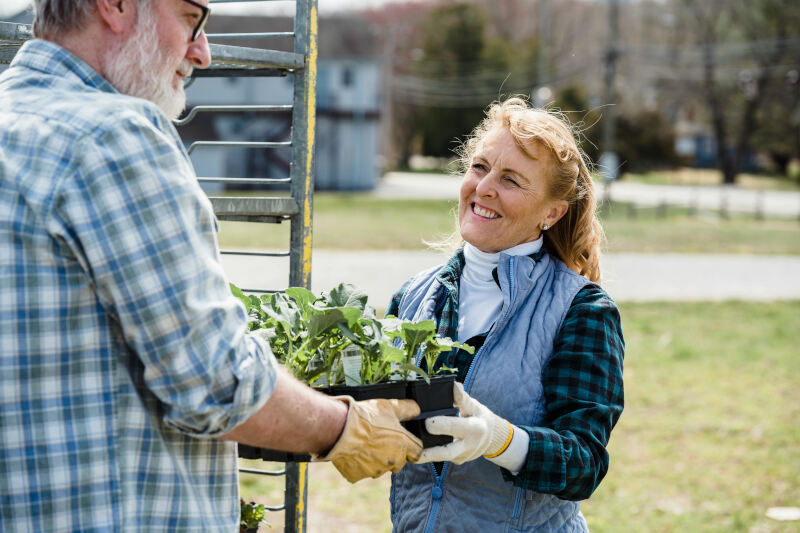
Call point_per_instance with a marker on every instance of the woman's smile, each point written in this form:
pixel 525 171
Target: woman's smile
pixel 484 212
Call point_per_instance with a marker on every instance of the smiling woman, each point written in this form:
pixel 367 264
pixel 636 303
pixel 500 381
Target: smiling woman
pixel 543 390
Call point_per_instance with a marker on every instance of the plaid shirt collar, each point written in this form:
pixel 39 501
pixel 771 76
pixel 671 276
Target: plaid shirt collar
pixel 55 60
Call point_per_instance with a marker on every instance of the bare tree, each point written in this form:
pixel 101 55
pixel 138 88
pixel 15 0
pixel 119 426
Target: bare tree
pixel 753 35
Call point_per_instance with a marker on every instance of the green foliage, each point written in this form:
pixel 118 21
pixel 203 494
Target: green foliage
pixel 251 515
pixel 419 338
pixel 308 333
pixel 454 48
pixel 644 139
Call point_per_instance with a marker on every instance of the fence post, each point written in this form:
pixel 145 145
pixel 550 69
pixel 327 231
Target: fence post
pixel 723 201
pixel 760 204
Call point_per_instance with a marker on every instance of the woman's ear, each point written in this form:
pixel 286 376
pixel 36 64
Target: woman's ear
pixel 556 210
pixel 118 15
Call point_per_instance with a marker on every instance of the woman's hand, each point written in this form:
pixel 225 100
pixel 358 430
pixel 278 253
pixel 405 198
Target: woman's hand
pixel 477 432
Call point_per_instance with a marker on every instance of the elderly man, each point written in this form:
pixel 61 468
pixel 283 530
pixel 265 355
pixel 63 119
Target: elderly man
pixel 126 373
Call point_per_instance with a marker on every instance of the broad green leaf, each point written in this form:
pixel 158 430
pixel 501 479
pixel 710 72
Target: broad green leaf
pixel 347 295
pixel 301 295
pixel 322 322
pixel 236 291
pixel 416 333
pixel 282 310
pixel 393 355
pixel 354 336
pixel 408 367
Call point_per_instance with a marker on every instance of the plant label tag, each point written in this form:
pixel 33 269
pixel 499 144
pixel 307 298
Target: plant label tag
pixel 351 365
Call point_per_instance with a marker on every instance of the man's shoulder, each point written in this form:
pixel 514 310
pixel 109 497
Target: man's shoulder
pixel 64 107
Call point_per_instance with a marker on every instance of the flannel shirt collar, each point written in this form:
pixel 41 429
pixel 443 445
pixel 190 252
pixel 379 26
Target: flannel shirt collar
pixel 55 60
pixel 450 275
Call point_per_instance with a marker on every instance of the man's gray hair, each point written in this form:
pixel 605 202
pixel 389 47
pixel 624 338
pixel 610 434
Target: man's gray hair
pixel 58 17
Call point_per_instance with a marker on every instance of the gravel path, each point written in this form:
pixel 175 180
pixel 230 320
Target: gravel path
pixel 628 277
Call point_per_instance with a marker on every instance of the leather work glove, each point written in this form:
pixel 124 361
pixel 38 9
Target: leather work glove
pixel 477 432
pixel 373 441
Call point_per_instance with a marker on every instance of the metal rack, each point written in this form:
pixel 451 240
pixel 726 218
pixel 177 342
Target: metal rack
pixel 236 61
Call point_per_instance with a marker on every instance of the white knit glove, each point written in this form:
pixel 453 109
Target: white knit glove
pixel 477 432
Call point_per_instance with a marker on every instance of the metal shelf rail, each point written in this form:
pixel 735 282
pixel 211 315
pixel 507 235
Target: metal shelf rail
pixel 237 61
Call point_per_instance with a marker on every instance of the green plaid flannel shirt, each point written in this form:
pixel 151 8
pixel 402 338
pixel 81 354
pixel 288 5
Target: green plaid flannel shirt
pixel 582 384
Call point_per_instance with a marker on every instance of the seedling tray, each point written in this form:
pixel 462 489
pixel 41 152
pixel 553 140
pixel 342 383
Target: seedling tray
pixel 417 427
pixel 434 399
pixel 265 454
pixel 435 396
pixel 392 390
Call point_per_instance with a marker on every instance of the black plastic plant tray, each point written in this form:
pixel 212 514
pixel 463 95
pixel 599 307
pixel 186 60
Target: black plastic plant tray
pixel 417 427
pixel 434 399
pixel 392 390
pixel 434 396
pixel 265 454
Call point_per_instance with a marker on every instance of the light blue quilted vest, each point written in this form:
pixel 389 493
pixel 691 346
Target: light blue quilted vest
pixel 474 496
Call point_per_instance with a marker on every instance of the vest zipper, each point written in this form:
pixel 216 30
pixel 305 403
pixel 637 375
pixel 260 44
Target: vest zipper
pixel 438 481
pixel 436 495
pixel 517 503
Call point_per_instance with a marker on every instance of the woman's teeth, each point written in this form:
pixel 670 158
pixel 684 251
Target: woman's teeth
pixel 484 212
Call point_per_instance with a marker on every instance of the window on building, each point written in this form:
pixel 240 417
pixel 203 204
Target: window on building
pixel 347 76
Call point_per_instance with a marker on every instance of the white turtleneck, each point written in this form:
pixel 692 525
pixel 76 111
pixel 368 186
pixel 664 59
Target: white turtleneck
pixel 479 297
pixel 479 304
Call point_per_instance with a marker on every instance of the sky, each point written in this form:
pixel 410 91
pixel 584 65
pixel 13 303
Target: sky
pixel 12 7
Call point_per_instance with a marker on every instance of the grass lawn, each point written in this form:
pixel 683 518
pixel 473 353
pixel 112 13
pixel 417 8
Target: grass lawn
pixel 359 221
pixel 707 443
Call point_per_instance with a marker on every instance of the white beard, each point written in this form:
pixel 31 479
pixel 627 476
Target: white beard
pixel 138 67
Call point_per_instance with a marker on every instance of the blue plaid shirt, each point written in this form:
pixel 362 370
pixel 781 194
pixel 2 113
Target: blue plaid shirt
pixel 122 352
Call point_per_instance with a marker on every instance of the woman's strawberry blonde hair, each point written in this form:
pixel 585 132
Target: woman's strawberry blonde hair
pixel 576 239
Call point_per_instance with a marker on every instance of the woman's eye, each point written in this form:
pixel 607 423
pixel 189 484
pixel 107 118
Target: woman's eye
pixel 509 179
pixel 479 166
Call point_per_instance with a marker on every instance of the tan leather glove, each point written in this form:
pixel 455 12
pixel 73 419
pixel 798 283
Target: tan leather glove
pixel 373 442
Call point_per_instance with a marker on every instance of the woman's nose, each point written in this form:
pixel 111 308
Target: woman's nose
pixel 486 185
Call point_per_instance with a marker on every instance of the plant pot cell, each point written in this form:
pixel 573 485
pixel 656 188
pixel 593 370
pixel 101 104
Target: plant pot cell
pixel 434 396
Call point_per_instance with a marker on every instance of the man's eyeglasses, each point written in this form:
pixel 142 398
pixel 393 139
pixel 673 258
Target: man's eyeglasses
pixel 203 19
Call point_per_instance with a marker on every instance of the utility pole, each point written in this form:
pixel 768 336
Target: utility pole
pixel 389 49
pixel 542 93
pixel 609 161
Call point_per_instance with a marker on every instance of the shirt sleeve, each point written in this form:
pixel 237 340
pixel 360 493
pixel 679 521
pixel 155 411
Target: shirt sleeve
pixel 145 233
pixel 584 398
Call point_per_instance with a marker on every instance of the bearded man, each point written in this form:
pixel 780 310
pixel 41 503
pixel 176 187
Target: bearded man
pixel 126 371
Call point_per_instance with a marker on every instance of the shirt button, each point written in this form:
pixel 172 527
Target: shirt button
pixel 437 493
